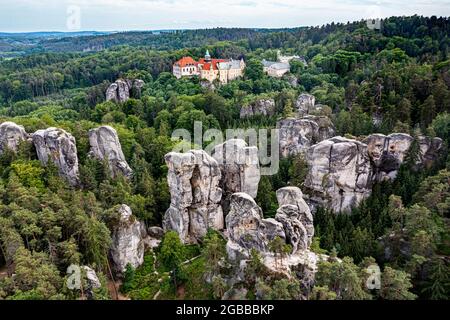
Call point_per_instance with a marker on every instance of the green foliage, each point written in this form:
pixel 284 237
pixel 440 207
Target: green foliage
pixel 395 285
pixel 398 77
pixel 172 252
pixel 343 278
pixel 29 173
pixel 254 70
pixel 36 277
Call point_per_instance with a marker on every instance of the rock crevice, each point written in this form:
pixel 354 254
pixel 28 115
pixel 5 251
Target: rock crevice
pixel 193 179
pixel 239 165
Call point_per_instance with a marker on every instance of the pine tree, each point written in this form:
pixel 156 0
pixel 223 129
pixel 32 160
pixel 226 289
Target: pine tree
pixel 438 285
pixel 395 285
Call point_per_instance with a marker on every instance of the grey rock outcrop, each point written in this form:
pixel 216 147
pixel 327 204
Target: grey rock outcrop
pixel 127 241
pixel 11 135
pixel 240 169
pixel 305 103
pixel 105 145
pixel 58 146
pixel 121 90
pixel 296 218
pixel 93 282
pixel 193 179
pixel 430 150
pixel 156 232
pixel 297 135
pixel 264 107
pixel 247 229
pixel 92 279
pixel 339 175
pixel 387 153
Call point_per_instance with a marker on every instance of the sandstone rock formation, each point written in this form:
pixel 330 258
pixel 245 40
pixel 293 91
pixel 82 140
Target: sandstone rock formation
pixel 58 146
pixel 430 150
pixel 305 103
pixel 156 232
pixel 239 165
pixel 247 229
pixel 11 135
pixel 105 145
pixel 264 107
pixel 387 153
pixel 121 90
pixel 296 218
pixel 193 179
pixel 92 279
pixel 127 241
pixel 339 175
pixel 297 135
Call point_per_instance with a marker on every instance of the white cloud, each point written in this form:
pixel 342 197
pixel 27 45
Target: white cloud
pixel 20 15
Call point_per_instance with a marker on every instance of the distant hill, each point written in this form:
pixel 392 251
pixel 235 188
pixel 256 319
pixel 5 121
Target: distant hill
pixel 50 34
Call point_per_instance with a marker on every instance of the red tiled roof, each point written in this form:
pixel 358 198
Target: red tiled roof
pixel 207 65
pixel 186 61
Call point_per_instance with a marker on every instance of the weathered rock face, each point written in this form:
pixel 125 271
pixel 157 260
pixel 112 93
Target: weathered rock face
pixel 239 165
pixel 296 218
pixel 127 241
pixel 58 146
pixel 92 279
pixel 339 174
pixel 387 153
pixel 297 135
pixel 244 222
pixel 293 223
pixel 430 150
pixel 193 179
pixel 156 232
pixel 11 135
pixel 105 145
pixel 93 282
pixel 305 102
pixel 247 229
pixel 264 107
pixel 121 90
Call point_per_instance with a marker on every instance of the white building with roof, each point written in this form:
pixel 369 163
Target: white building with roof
pixel 276 69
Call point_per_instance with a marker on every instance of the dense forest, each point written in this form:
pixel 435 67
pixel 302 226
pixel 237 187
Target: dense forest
pixel 396 79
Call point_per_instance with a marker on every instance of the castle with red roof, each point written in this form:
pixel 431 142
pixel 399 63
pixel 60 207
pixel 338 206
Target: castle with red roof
pixel 209 69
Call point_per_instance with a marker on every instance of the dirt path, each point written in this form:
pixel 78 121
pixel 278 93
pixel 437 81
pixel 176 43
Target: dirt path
pixel 112 291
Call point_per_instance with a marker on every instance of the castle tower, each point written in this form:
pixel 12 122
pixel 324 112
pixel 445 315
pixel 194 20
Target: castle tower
pixel 207 56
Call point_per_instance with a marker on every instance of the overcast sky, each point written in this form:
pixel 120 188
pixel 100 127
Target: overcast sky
pixel 110 15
